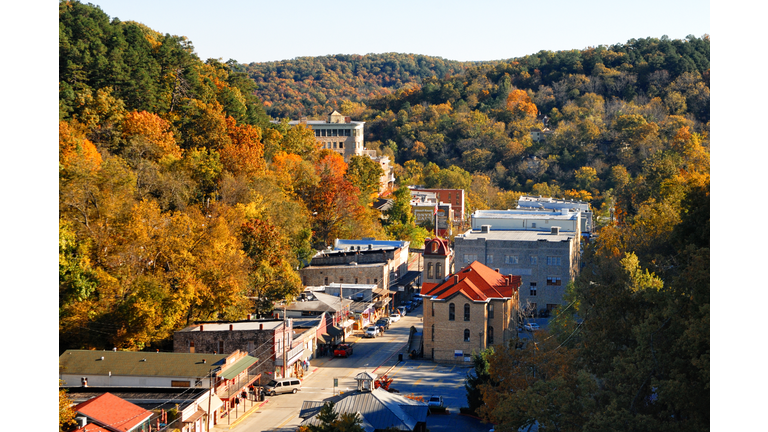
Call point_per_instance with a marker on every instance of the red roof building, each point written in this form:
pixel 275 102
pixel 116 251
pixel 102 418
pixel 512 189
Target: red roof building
pixel 472 309
pixel 113 414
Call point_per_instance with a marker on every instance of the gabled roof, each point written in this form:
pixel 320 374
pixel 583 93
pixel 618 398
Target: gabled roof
pixel 139 363
pixel 476 281
pixel 379 410
pixel 111 411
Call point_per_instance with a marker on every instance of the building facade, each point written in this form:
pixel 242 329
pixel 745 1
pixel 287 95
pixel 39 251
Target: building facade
pixel 454 197
pixel 545 260
pixel 472 309
pixel 438 260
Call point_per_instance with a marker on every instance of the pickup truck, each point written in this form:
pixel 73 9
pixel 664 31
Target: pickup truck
pixel 342 350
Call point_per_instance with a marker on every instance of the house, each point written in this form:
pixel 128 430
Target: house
pixel 545 260
pixel 472 309
pixel 109 412
pixel 192 405
pixel 454 197
pixel 438 260
pixel 379 410
pixel 228 374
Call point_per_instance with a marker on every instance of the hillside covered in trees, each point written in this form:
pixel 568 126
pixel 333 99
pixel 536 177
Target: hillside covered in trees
pixel 181 201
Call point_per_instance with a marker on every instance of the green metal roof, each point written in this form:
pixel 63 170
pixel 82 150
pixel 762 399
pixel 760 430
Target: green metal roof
pixel 239 366
pixel 139 363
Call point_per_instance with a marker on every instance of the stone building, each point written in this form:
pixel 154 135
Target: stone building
pixel 266 340
pixel 438 260
pixel 472 309
pixel 545 260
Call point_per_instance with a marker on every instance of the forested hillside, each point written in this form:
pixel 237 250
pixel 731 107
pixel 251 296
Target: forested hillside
pixel 179 201
pixel 314 86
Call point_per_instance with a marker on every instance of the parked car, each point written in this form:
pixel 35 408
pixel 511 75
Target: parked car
pixel 531 327
pixel 342 350
pixel 408 306
pixel 394 317
pixel 402 310
pixel 371 332
pixel 287 385
pixel 383 322
pixel 435 401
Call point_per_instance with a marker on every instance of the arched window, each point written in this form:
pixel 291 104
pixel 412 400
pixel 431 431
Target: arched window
pixel 433 332
pixel 434 246
pixel 451 312
pixel 439 271
pixel 466 311
pixel 430 273
pixel 490 335
pixel 466 335
pixel 490 310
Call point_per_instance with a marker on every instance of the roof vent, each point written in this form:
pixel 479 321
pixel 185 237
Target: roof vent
pixel 203 361
pixel 201 327
pixel 143 359
pixel 555 230
pixel 455 279
pixel 485 228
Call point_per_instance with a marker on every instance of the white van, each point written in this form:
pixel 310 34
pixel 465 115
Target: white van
pixel 285 385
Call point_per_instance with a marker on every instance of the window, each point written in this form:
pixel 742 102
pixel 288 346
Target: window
pixel 250 347
pixel 375 280
pixel 175 383
pixel 469 258
pixel 510 259
pixel 451 312
pixel 490 335
pixel 326 280
pixel 466 335
pixel 534 260
pixel 553 281
pixel 434 247
pixel 317 133
pixel 221 347
pixel 553 261
pixel 533 288
pixel 341 145
pixel 334 145
pixel 490 310
pixel 430 273
pixel 341 280
pixel 449 197
pixel 439 271
pixel 356 280
pixel 433 332
pixel 533 225
pixel 323 132
pixel 346 132
pixel 466 312
pixel 334 132
pixel 433 308
pixel 191 346
pixel 489 260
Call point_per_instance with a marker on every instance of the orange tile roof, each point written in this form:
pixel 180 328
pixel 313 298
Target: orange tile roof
pixel 477 282
pixel 109 410
pixel 90 427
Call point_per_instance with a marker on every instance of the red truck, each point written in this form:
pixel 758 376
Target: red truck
pixel 342 350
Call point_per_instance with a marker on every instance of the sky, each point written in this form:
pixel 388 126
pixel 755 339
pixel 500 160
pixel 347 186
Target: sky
pixel 263 31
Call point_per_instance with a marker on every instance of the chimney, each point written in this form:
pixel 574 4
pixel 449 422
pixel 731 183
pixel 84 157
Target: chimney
pixel 249 317
pixel 201 327
pixel 261 326
pixel 347 119
pixel 555 230
pixel 497 271
pixel 231 327
pixel 455 279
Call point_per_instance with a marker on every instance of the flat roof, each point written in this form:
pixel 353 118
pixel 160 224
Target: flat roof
pixel 240 325
pixel 523 214
pixel 517 235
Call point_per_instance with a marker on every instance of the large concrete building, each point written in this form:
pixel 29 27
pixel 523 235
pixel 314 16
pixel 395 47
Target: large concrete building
pixel 338 133
pixel 472 309
pixel 545 260
pixel 553 204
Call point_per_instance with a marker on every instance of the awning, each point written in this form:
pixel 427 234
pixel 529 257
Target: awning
pixel 239 366
pixel 216 403
pixel 408 277
pixel 191 419
pixel 334 331
pixel 347 323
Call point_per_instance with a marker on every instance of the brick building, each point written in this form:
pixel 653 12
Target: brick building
pixel 472 309
pixel 454 197
pixel 438 260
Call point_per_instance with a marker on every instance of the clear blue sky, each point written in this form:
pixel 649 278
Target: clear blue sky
pixel 261 31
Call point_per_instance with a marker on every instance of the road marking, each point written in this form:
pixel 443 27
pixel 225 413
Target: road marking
pixel 286 422
pixel 417 381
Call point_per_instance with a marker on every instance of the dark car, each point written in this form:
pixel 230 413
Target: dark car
pixel 383 323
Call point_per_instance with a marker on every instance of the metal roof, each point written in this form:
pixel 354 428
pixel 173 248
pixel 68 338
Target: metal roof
pixel 239 366
pixel 139 363
pixel 518 235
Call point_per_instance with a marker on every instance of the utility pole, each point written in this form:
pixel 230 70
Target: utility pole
pixel 210 396
pixel 285 361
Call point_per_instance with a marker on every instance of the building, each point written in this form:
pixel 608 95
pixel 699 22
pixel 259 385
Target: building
pixel 378 409
pixel 454 197
pixel 527 220
pixel 472 309
pixel 267 340
pixel 543 203
pixel 109 412
pixel 387 179
pixel 438 260
pixel 192 405
pixel 337 133
pixel 545 260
